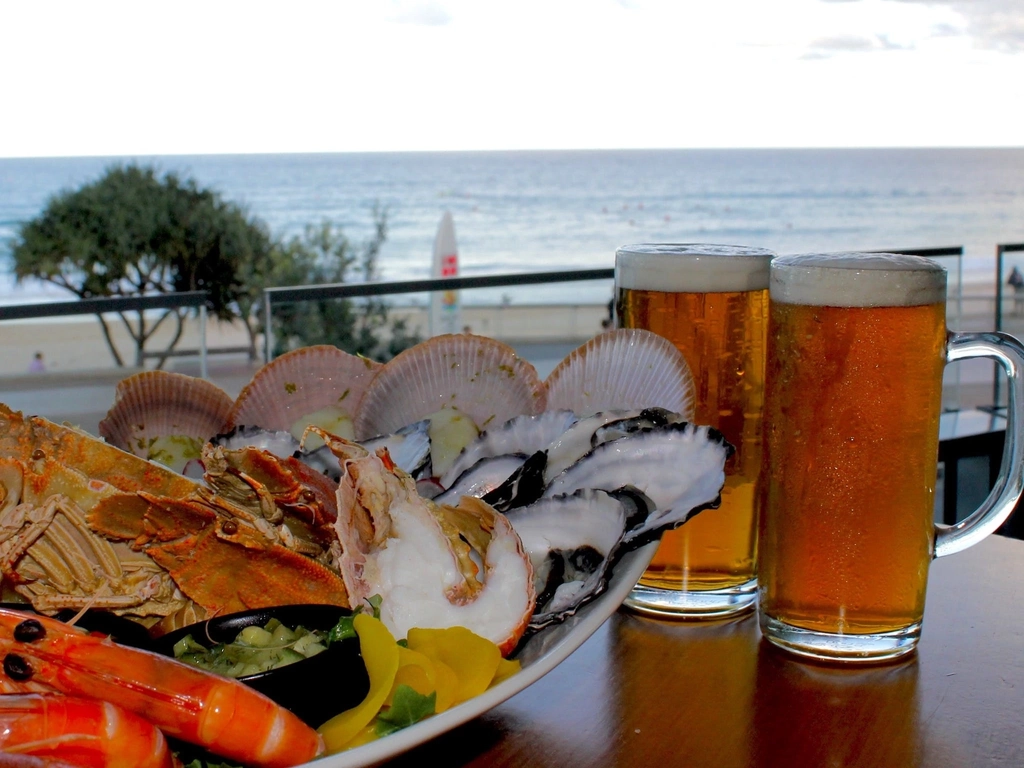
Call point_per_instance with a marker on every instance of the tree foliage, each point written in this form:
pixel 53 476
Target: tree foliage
pixel 324 255
pixel 132 233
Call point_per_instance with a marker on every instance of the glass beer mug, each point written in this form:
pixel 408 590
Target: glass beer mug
pixel 857 344
pixel 711 301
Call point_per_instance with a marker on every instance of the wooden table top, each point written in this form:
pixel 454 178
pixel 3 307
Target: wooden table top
pixel 643 692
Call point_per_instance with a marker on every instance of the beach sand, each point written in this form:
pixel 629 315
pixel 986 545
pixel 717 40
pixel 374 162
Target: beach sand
pixel 80 378
pixel 77 344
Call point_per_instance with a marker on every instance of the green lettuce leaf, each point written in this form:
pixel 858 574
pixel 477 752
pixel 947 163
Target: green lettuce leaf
pixel 407 707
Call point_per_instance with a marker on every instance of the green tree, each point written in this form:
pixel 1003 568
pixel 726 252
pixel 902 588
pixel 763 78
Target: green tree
pixel 132 233
pixel 324 255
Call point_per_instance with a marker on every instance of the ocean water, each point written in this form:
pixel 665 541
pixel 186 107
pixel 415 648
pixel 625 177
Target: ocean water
pixel 548 210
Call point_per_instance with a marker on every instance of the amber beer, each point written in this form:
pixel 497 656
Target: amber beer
pixel 711 302
pixel 856 351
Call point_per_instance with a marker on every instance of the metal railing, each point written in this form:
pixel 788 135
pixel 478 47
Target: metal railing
pixel 272 296
pixel 117 304
pixel 1003 248
pixel 281 295
pixel 1001 277
pixel 100 305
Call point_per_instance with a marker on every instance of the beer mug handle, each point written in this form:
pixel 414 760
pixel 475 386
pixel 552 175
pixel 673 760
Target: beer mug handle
pixel 1002 500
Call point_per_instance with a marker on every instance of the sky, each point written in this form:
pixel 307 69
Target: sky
pixel 218 76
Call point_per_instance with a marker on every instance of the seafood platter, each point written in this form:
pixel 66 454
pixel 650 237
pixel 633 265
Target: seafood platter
pixel 449 490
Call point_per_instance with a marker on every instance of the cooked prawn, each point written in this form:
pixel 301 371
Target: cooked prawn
pixel 84 732
pixel 222 715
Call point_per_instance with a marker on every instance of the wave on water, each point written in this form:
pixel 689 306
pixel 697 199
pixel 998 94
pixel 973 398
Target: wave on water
pixel 538 211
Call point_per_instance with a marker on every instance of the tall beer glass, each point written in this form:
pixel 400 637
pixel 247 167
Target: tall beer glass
pixel 856 348
pixel 711 301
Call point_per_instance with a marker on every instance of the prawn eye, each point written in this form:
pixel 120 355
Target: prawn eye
pixel 38 454
pixel 16 667
pixel 29 631
pixel 230 527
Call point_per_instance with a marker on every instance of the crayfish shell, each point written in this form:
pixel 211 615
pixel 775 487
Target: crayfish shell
pixel 165 417
pixel 628 368
pixel 320 384
pixel 434 566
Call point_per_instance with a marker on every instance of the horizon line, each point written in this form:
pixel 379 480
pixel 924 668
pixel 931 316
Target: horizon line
pixel 103 155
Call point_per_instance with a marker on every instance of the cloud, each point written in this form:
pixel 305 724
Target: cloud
pixel 947 30
pixel 427 13
pixel 992 24
pixel 843 43
pixel 995 24
pixel 825 47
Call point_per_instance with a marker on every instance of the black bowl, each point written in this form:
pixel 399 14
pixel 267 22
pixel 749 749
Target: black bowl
pixel 316 688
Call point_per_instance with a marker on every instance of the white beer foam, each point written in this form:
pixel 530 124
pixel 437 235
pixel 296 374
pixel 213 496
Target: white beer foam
pixel 692 267
pixel 857 280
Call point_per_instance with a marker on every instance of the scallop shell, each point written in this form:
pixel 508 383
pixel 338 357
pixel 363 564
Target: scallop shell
pixel 156 404
pixel 482 377
pixel 628 368
pixel 301 382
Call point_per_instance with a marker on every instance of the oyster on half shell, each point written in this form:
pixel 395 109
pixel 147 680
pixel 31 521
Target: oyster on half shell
pixel 607 484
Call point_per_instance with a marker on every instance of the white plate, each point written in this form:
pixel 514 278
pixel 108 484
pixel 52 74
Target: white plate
pixel 539 655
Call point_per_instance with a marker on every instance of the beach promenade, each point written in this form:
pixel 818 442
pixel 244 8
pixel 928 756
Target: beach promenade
pixel 78 385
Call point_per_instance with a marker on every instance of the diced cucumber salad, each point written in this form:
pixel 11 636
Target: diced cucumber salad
pixel 254 649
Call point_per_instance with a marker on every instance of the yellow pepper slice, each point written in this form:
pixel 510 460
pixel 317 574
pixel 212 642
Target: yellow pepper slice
pixel 364 735
pixel 453 663
pixel 414 670
pixel 474 659
pixel 425 676
pixel 506 668
pixel 447 686
pixel 380 655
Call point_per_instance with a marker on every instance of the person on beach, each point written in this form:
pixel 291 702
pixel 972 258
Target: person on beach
pixel 37 365
pixel 1016 281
